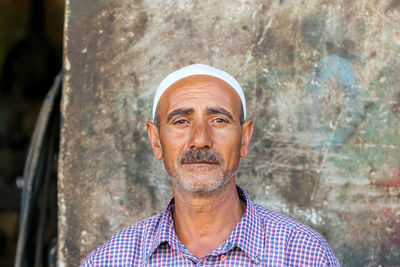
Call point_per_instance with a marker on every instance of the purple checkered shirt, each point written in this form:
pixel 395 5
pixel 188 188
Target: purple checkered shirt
pixel 261 238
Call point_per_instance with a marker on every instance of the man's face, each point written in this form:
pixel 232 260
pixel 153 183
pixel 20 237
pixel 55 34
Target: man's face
pixel 200 136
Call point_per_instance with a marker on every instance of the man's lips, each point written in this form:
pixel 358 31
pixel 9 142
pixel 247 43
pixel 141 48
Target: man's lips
pixel 199 162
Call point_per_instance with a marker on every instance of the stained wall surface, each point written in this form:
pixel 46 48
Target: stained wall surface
pixel 322 81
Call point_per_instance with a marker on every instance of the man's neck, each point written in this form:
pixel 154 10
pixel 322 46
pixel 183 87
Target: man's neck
pixel 202 223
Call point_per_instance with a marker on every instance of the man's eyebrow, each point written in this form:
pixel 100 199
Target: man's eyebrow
pixel 218 110
pixel 180 111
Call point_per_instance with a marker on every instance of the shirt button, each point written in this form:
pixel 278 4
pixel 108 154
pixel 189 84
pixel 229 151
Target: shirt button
pixel 180 255
pixel 223 257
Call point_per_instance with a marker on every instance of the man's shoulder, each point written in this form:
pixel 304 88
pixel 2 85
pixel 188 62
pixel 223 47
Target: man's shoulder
pixel 125 246
pixel 273 219
pixel 295 237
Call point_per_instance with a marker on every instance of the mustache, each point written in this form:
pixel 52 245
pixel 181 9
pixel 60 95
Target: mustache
pixel 200 155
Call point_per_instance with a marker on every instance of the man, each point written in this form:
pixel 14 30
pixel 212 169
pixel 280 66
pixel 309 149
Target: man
pixel 200 132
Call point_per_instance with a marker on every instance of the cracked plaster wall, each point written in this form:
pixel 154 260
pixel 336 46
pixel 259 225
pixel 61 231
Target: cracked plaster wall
pixel 322 81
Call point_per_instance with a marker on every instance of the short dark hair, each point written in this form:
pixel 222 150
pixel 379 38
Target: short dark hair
pixel 157 121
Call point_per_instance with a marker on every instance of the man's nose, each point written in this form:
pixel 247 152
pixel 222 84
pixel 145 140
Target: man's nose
pixel 200 136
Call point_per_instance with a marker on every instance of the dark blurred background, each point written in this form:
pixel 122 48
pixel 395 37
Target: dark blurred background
pixel 31 34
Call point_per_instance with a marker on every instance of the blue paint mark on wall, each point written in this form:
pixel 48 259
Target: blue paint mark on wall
pixel 341 71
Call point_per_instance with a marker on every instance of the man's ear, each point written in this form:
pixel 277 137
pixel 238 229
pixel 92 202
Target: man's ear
pixel 154 137
pixel 247 132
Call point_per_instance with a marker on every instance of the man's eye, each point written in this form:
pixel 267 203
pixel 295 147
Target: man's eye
pixel 220 120
pixel 180 121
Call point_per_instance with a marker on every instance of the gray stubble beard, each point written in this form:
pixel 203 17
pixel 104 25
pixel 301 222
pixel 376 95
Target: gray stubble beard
pixel 217 187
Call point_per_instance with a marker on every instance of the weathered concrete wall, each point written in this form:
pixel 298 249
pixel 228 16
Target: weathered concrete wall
pixel 322 79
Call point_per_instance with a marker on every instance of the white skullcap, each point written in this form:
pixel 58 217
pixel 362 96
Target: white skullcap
pixel 198 69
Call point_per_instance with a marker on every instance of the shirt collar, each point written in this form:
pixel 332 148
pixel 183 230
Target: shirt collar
pixel 165 231
pixel 247 235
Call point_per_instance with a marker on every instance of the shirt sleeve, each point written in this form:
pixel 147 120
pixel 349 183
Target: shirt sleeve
pixel 87 262
pixel 304 249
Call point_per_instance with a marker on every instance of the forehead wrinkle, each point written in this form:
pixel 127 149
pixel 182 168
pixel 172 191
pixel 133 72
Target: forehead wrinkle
pixel 201 82
pixel 195 88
